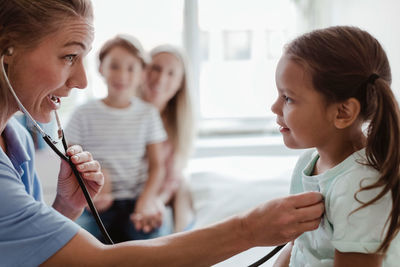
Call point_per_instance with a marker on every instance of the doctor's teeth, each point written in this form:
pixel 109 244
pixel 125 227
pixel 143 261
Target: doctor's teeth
pixel 55 99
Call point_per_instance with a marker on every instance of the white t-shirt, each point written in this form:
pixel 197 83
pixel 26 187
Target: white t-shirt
pixel 359 232
pixel 117 138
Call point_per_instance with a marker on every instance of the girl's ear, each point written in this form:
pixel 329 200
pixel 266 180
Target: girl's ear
pixel 347 113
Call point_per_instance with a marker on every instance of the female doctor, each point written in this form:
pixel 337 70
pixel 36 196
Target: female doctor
pixel 42 44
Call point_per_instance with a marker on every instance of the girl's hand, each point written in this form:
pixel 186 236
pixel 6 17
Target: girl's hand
pixel 70 200
pixel 148 213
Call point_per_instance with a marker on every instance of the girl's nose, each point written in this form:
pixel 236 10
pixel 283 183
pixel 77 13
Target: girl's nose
pixel 275 107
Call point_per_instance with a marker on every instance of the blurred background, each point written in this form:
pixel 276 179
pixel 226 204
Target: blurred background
pixel 233 47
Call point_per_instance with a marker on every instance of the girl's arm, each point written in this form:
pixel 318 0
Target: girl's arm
pixel 284 257
pixel 172 179
pixel 156 170
pixel 357 259
pixel 148 211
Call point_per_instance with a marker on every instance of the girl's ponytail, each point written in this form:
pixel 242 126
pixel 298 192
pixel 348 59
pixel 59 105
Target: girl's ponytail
pixel 383 150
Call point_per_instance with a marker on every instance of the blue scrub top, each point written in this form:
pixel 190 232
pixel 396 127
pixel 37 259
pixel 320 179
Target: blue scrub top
pixel 30 230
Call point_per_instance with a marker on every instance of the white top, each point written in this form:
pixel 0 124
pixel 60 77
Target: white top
pixel 358 232
pixel 117 138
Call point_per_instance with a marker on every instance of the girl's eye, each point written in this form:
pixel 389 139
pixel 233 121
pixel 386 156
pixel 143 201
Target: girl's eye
pixel 114 66
pixel 287 99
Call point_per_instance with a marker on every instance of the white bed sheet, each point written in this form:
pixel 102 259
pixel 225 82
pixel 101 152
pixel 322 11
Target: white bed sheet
pixel 224 186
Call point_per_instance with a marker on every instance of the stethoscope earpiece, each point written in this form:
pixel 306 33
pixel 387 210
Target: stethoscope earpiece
pixel 10 51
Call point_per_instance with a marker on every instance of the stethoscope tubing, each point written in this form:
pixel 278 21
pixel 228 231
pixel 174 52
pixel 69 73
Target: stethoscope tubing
pixel 93 209
pixel 267 257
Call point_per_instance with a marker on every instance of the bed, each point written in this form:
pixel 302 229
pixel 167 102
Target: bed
pixel 223 186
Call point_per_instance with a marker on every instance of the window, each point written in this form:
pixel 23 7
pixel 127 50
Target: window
pixel 233 46
pixel 237 81
pixel 237 45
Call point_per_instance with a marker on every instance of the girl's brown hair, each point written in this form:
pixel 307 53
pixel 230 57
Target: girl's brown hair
pixel 127 42
pixel 342 60
pixel 25 23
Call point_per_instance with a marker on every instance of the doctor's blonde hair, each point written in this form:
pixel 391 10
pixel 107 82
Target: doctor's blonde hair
pixel 24 23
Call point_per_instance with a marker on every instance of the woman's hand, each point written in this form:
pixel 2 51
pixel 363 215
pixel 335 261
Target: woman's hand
pixel 70 200
pixel 282 220
pixel 148 213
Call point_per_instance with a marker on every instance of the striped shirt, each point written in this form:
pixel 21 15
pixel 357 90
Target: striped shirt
pixel 117 138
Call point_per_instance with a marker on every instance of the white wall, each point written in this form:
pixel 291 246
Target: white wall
pixel 379 17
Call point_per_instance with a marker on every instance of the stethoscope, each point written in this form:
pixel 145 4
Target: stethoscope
pixel 63 156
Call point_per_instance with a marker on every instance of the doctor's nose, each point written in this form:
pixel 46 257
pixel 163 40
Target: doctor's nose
pixel 78 77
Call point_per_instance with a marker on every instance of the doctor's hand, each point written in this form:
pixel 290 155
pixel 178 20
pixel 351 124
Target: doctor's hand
pixel 104 199
pixel 70 200
pixel 282 220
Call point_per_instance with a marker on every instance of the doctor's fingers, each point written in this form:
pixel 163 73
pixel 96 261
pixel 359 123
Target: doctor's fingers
pixel 74 149
pixel 309 213
pixel 96 177
pixel 305 199
pixel 90 166
pixel 81 157
pixel 306 226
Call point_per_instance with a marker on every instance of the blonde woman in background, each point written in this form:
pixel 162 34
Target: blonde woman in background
pixel 167 88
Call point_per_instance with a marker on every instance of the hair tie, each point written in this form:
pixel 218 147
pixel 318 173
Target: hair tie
pixel 372 78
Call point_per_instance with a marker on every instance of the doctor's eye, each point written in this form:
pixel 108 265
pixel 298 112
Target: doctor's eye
pixel 70 58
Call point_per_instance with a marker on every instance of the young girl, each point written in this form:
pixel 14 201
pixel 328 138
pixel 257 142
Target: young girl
pixel 332 83
pixel 125 134
pixel 167 88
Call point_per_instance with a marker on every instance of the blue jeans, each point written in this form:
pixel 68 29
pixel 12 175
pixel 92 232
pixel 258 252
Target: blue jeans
pixel 118 224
